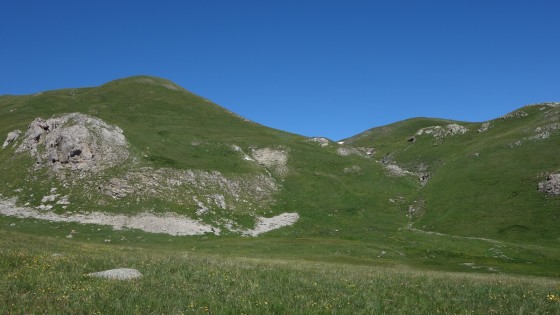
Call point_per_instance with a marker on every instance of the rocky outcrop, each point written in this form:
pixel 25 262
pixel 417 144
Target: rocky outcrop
pixel 324 142
pixel 196 188
pixel 273 159
pixel 12 136
pixel 538 134
pixel 544 132
pixel 347 151
pixel 484 127
pixel 516 114
pixel 439 132
pixel 455 129
pixel 368 151
pixel 117 188
pixel 75 142
pixel 396 170
pixel 551 185
pixel 423 177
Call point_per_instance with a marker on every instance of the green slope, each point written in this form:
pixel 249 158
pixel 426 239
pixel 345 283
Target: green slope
pixel 351 207
pixel 482 183
pixel 169 127
pixel 158 117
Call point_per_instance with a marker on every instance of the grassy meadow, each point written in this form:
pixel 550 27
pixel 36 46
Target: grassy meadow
pixel 47 275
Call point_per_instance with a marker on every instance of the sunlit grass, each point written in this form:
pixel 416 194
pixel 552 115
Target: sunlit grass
pixel 44 277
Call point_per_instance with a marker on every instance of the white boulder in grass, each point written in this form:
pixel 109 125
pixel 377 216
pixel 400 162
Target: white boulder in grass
pixel 117 274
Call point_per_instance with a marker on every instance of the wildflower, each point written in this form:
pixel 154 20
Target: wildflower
pixel 553 298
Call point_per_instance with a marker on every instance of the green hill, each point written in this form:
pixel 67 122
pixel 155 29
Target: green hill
pixel 139 161
pixel 172 132
pixel 483 181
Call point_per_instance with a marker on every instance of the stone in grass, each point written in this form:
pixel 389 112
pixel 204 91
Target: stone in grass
pixel 551 185
pixel 117 274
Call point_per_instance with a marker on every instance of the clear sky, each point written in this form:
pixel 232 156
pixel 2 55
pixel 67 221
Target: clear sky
pixel 316 68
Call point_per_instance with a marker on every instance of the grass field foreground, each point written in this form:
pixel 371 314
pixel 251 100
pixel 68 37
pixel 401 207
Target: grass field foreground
pixel 50 276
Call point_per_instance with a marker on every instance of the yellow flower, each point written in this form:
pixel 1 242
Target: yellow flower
pixel 553 298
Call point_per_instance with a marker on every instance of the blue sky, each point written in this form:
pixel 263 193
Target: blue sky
pixel 317 68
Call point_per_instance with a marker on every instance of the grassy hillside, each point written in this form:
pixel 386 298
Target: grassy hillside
pixel 482 183
pixel 336 195
pixel 478 211
pixel 168 127
pixel 159 118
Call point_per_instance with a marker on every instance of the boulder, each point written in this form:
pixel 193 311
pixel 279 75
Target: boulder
pixel 117 274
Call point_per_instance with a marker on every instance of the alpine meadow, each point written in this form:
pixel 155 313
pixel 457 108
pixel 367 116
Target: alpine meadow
pixel 217 214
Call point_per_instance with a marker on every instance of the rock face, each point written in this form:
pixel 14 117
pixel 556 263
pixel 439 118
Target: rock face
pixel 76 142
pixel 117 274
pixel 551 185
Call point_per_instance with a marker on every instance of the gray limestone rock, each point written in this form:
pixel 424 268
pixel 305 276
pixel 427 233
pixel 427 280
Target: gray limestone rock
pixel 117 274
pixel 12 136
pixel 76 142
pixel 551 185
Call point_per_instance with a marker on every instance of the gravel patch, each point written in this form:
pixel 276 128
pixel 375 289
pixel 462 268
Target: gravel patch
pixel 264 225
pixel 168 223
